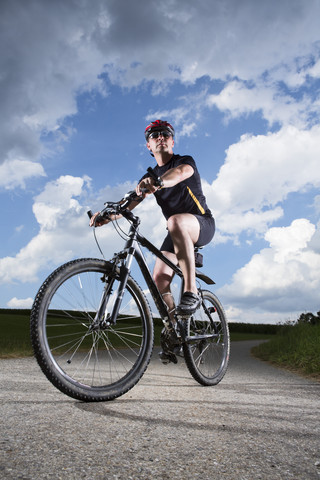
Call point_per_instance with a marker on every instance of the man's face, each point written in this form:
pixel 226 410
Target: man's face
pixel 160 142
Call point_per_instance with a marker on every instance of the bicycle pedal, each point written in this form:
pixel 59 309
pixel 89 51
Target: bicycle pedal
pixel 167 358
pixel 182 317
pixel 178 350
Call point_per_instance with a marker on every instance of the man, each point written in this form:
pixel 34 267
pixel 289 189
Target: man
pixel 179 193
pixel 189 220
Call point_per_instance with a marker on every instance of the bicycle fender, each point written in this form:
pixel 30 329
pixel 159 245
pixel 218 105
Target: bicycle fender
pixel 204 278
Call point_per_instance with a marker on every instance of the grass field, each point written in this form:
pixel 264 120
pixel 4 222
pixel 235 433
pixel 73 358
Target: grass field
pixel 15 333
pixel 295 347
pixel 15 336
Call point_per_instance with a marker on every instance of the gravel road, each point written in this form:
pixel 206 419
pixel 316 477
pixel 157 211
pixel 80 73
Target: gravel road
pixel 260 422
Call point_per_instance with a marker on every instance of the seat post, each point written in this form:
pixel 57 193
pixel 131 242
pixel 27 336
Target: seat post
pixel 181 289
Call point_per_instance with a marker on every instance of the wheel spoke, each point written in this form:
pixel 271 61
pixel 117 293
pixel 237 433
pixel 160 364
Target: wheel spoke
pixel 207 357
pixel 81 357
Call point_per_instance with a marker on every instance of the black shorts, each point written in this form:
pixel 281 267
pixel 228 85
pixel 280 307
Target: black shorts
pixel 207 229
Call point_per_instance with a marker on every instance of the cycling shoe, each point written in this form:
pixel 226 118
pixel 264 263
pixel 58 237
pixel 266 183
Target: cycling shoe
pixel 167 357
pixel 189 303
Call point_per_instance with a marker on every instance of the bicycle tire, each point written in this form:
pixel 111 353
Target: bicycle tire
pixel 90 365
pixel 207 359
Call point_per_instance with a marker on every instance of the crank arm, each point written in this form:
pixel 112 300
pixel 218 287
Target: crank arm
pixel 198 338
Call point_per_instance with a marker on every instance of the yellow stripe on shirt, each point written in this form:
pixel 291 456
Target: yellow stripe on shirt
pixel 196 201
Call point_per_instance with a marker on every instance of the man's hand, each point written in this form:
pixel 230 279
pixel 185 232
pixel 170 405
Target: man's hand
pixel 146 184
pixel 100 223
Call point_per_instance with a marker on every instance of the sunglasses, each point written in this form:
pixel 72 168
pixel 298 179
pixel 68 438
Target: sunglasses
pixel 164 134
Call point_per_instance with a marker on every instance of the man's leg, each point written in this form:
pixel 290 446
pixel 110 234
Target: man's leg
pixel 184 229
pixel 163 275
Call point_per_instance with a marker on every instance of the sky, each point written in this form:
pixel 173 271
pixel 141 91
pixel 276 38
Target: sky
pixel 240 82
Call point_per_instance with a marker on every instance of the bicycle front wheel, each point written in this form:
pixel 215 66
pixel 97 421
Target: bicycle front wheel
pixel 81 355
pixel 207 344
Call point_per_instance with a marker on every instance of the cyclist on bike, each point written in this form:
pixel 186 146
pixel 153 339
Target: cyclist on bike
pixel 190 223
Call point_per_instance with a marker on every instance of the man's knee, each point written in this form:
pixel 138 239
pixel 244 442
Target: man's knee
pixel 175 222
pixel 182 225
pixel 163 274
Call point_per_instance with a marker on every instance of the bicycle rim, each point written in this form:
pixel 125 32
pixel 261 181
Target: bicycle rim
pixel 207 358
pixel 85 362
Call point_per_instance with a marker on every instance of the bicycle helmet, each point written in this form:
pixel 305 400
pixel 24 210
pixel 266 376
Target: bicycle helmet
pixel 158 125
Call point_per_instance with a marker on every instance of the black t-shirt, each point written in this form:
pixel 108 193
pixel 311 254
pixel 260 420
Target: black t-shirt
pixel 186 196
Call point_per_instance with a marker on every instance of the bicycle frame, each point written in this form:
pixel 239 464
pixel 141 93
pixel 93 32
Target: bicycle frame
pixel 93 350
pixel 125 257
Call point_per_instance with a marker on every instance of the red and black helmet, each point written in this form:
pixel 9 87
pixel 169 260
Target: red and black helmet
pixel 158 125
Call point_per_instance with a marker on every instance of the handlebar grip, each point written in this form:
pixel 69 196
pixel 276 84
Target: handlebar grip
pixel 99 218
pixel 152 174
pixel 157 180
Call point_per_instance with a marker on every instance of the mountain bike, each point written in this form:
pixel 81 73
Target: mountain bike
pixel 92 327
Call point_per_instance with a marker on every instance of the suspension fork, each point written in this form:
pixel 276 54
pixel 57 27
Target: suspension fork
pixel 125 257
pixel 125 269
pixel 101 320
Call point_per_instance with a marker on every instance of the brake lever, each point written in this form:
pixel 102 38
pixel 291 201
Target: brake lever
pixel 100 216
pixel 132 195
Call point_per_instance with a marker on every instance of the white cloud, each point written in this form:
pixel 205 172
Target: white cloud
pixel 47 58
pixel 316 204
pixel 190 109
pixel 64 233
pixel 237 99
pixel 281 278
pixel 314 71
pixel 52 51
pixel 259 173
pixel 314 244
pixel 187 129
pixel 20 302
pixel 19 228
pixel 286 241
pixel 255 315
pixel 56 199
pixel 14 173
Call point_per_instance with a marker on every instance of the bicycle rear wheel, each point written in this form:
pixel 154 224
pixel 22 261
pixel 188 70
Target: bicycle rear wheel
pixel 86 359
pixel 207 357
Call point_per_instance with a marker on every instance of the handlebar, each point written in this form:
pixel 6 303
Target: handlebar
pixel 117 208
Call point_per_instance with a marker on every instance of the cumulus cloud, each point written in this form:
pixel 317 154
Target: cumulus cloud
pixel 16 172
pixel 20 302
pixel 283 277
pixel 227 48
pixel 314 71
pixel 56 199
pixel 62 231
pixel 46 59
pixel 238 99
pixel 52 51
pixel 259 173
pixel 60 210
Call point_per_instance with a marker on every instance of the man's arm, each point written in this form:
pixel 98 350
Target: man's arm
pixel 170 178
pixel 176 175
